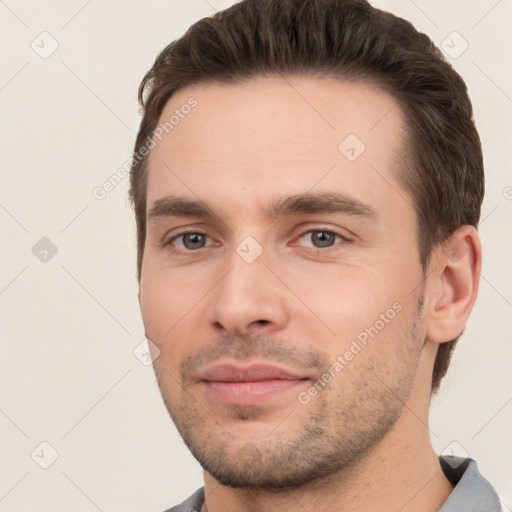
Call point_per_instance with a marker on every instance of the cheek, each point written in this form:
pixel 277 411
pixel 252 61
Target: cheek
pixel 170 320
pixel 365 304
pixel 348 297
pixel 165 299
pixel 382 349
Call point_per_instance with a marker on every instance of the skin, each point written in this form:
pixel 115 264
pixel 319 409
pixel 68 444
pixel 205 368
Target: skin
pixel 362 441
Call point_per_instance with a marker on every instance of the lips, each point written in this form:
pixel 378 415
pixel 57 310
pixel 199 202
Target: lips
pixel 252 373
pixel 249 385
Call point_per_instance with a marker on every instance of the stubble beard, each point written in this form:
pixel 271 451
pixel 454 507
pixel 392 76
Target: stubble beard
pixel 345 421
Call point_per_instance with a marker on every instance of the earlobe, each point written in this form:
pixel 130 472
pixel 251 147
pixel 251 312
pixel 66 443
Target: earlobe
pixel 455 281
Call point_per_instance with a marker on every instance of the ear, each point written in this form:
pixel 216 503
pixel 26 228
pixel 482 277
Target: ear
pixel 454 284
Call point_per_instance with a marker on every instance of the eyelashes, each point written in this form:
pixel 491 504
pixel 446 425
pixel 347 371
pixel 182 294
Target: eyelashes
pixel 318 239
pixel 322 238
pixel 191 240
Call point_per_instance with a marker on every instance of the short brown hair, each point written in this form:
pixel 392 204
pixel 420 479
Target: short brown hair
pixel 348 40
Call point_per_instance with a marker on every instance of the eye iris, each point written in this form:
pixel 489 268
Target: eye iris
pixel 323 238
pixel 194 240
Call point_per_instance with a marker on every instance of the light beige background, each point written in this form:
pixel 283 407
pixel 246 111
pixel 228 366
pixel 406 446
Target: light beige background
pixel 69 326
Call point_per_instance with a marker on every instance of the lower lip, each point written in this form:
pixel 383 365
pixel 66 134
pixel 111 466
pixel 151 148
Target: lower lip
pixel 250 393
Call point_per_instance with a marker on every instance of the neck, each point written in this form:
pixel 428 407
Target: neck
pixel 409 480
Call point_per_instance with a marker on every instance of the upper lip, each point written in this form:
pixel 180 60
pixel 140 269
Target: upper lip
pixel 251 373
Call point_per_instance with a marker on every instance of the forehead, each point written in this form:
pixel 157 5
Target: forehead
pixel 269 134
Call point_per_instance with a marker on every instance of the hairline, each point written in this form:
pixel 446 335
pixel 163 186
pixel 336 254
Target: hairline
pixel 405 155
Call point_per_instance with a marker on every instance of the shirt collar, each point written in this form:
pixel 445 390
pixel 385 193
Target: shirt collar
pixel 472 492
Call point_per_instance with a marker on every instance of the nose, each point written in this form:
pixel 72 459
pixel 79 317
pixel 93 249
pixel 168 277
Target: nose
pixel 248 299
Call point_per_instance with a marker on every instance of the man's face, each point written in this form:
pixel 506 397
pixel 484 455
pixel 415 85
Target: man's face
pixel 281 280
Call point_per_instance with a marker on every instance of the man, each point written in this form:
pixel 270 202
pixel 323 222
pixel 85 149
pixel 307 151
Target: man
pixel 307 184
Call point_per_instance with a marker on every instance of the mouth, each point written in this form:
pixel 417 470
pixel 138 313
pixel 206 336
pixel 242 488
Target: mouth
pixel 249 385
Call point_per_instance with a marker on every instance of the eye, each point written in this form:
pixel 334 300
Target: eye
pixel 320 238
pixel 190 241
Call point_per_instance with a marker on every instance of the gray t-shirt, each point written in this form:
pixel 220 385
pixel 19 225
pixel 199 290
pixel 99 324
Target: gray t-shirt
pixel 472 492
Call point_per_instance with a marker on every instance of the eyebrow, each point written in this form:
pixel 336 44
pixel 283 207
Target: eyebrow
pixel 173 206
pixel 320 203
